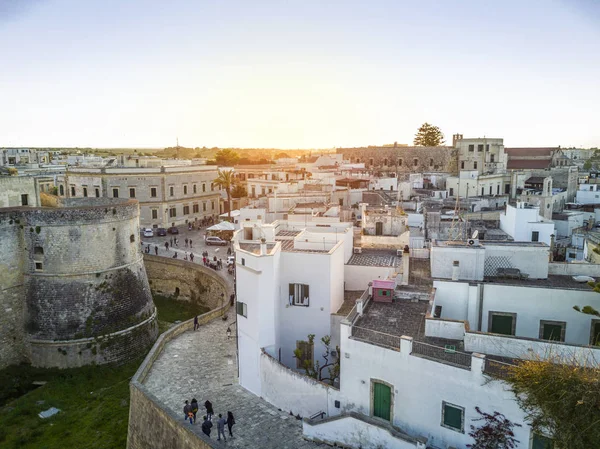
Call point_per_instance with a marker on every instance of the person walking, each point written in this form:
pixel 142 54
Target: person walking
pixel 171 242
pixel 176 241
pixel 194 406
pixel 192 257
pixel 156 249
pixel 206 426
pixel 196 324
pixel 190 243
pixel 209 409
pixel 167 246
pixel 230 422
pixel 187 408
pixel 185 257
pixel 221 428
pixel 186 242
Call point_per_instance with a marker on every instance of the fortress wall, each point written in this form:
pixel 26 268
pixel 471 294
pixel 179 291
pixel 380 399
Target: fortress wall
pixel 12 341
pixel 195 282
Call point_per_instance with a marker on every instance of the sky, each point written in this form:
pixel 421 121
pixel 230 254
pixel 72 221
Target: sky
pixel 297 74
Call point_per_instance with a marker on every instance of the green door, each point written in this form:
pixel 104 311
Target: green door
pixel 502 324
pixel 382 401
pixel 596 333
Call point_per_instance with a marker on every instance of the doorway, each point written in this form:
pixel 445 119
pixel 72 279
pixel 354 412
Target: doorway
pixel 379 228
pixel 382 400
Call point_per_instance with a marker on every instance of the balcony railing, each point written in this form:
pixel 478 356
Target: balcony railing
pixel 376 337
pixel 447 354
pixel 496 368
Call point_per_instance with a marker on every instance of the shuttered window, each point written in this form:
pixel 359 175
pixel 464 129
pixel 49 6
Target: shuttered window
pixel 298 294
pixel 242 309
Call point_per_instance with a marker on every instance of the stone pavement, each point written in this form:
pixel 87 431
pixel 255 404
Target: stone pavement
pixel 202 364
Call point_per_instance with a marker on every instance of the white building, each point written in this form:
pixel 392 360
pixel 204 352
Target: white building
pixel 588 194
pixel 524 224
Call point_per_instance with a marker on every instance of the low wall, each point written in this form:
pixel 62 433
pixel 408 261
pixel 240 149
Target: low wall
pixel 574 269
pixel 186 281
pixel 530 349
pixel 294 392
pixel 453 330
pixel 357 277
pixel 354 430
pixel 383 241
pixel 152 425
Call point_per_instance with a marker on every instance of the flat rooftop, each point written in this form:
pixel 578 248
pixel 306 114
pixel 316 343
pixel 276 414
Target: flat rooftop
pixel 375 258
pixel 553 281
pixel 401 317
pixel 254 248
pixel 465 244
pixel 288 245
pixel 288 233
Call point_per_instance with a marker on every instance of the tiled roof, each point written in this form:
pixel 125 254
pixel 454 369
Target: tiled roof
pixel 515 164
pixel 524 152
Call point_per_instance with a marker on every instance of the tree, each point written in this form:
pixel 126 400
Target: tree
pixel 496 432
pixel 429 136
pixel 560 398
pixel 316 371
pixel 587 165
pixel 227 157
pixel 239 191
pixel 225 180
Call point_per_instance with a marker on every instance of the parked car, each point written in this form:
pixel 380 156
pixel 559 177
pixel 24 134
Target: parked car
pixel 173 230
pixel 148 232
pixel 230 260
pixel 215 241
pixel 161 232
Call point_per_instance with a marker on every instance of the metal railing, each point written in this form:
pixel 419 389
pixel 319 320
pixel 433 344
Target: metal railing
pixel 376 337
pixel 446 354
pixel 496 368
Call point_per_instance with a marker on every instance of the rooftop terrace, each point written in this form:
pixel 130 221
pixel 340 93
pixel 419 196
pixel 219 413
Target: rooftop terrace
pixel 375 258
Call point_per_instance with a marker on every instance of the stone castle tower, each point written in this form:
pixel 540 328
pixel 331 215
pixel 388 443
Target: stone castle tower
pixel 73 287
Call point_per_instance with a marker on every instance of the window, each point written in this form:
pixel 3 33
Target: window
pixel 203 207
pixel 541 442
pixel 186 210
pixel 299 295
pixel 243 261
pixel 491 158
pixel 451 191
pixel 203 187
pixel 400 162
pixel 572 255
pixel 535 236
pixel 212 205
pixel 72 190
pixel 385 162
pixel 552 330
pixel 371 161
pixel 415 162
pixel 131 192
pixel 475 165
pixel 498 189
pixel 212 187
pixel 431 162
pixel 132 238
pixel 595 333
pixel 171 191
pixel 490 190
pixel 24 199
pixel 61 189
pixel 304 351
pixel 471 147
pixel 195 188
pixel 97 191
pixel 153 192
pixel 487 147
pixel 480 147
pixel 195 208
pixel 154 214
pixel 384 293
pixel 172 212
pixel 85 192
pixel 502 323
pixel 462 164
pixel 453 417
pixel 115 192
pixel 38 251
pixel 242 309
pixel 39 266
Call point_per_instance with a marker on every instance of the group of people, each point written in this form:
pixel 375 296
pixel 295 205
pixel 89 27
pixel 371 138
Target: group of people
pixel 191 409
pixel 215 264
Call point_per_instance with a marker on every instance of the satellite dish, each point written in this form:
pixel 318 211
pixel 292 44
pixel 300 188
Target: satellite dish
pixel 475 234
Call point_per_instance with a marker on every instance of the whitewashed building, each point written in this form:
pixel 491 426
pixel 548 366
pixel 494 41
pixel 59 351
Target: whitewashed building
pixel 524 224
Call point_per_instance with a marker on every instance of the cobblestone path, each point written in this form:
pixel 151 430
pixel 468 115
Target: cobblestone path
pixel 202 364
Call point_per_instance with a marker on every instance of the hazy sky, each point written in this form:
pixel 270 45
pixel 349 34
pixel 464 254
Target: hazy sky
pixel 297 74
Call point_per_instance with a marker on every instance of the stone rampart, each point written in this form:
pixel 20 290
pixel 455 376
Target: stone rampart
pixel 187 281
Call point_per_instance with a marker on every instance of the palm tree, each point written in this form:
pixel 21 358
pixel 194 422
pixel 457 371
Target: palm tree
pixel 225 181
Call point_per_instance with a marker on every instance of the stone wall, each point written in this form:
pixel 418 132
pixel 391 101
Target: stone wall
pixel 402 159
pixel 82 277
pixel 185 281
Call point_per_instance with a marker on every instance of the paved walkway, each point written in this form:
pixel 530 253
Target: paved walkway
pixel 202 364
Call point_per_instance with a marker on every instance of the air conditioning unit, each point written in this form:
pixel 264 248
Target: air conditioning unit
pixel 357 250
pixel 473 242
pixel 399 252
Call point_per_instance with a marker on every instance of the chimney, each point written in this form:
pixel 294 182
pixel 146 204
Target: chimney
pixel 455 270
pixel 263 247
pixel 395 144
pixel 370 289
pixel 405 265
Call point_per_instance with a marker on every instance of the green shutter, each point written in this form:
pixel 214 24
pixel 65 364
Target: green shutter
pixel 596 334
pixel 502 324
pixel 382 401
pixel 453 417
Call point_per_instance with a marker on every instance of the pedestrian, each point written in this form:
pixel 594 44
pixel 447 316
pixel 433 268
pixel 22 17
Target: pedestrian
pixel 175 256
pixel 221 428
pixel 167 246
pixel 209 409
pixel 186 409
pixel 156 249
pixel 190 243
pixel 194 406
pixel 192 257
pixel 171 242
pixel 196 324
pixel 229 251
pixel 176 241
pixel 230 422
pixel 206 426
pixel 185 256
pixel 186 242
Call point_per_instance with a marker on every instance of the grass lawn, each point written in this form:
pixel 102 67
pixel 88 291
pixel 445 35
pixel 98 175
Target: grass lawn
pixel 94 400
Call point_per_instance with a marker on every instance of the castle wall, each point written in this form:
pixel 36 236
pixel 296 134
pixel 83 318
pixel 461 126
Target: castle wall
pixel 83 279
